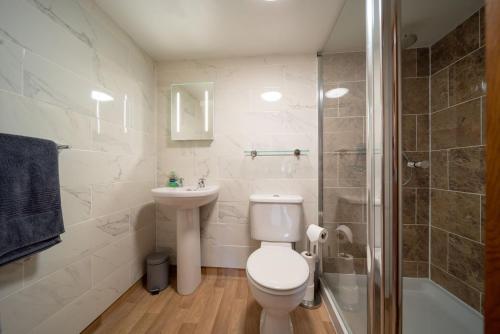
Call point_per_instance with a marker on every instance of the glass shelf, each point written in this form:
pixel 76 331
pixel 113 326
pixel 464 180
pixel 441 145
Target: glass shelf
pixel 268 153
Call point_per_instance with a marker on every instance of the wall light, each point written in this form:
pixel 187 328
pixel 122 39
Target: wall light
pixel 206 111
pixel 335 93
pixel 125 115
pixel 100 96
pixel 271 96
pixel 178 111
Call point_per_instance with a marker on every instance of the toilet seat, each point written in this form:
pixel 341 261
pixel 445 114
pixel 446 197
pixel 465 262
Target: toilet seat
pixel 277 270
pixel 274 292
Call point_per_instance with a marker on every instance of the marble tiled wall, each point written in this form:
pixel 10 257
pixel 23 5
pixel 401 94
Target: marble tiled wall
pixel 458 90
pixel 52 55
pixel 344 161
pixel 243 121
pixel 415 144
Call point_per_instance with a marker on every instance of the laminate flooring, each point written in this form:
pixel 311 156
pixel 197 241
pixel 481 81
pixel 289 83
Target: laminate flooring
pixel 222 303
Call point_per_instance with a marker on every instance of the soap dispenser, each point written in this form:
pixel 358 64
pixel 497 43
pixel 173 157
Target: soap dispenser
pixel 172 180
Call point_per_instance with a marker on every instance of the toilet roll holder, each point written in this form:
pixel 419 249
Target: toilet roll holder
pixel 316 302
pixel 313 250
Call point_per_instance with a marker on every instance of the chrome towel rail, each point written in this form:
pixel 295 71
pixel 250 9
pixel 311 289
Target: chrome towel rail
pixel 63 147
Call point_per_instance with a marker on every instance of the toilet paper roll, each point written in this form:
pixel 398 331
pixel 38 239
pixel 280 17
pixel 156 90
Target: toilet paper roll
pixel 316 233
pixel 311 263
pixel 346 231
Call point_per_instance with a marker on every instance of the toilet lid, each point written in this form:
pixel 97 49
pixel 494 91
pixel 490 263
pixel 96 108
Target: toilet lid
pixel 278 268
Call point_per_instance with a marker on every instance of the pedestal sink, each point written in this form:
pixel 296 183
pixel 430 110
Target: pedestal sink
pixel 187 201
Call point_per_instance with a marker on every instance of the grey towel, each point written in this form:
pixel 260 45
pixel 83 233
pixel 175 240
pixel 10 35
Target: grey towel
pixel 30 201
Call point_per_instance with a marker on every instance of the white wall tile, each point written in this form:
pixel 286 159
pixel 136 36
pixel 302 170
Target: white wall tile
pixel 76 244
pixel 52 55
pixel 108 259
pixel 143 216
pixel 76 203
pixel 234 212
pixel 137 269
pixel 243 121
pixel 225 256
pixel 227 235
pixel 112 226
pixel 112 197
pixel 24 310
pixel 111 137
pixel 81 312
pixel 11 59
pixel 11 278
pixel 78 241
pixel 234 190
pixel 33 29
pixel 27 117
pixel 77 167
pixel 48 82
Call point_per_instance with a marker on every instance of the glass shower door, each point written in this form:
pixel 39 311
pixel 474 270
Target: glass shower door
pixel 359 184
pixel 342 69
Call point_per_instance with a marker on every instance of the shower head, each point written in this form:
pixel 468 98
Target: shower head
pixel 408 40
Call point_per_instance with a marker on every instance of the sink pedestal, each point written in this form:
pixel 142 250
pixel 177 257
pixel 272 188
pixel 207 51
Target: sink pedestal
pixel 187 201
pixel 188 250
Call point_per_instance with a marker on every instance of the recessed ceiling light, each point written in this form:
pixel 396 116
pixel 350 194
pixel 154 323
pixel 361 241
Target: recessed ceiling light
pixel 271 96
pixel 335 93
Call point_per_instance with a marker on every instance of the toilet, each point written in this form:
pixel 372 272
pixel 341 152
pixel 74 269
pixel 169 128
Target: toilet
pixel 277 274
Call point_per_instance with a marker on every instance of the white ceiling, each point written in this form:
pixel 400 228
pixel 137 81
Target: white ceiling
pixel 190 29
pixel 430 20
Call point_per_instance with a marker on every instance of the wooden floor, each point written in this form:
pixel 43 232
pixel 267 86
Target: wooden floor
pixel 222 303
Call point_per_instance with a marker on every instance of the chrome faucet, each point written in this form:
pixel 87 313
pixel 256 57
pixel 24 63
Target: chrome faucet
pixel 201 182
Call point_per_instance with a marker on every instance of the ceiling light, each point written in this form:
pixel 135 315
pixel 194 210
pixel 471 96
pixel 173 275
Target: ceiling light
pixel 335 93
pixel 271 96
pixel 101 96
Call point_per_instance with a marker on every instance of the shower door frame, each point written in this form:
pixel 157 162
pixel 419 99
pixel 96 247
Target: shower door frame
pixel 383 133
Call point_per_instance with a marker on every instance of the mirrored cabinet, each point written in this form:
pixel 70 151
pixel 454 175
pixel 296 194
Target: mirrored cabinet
pixel 192 111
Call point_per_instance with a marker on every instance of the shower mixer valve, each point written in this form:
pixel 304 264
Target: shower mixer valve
pixel 418 164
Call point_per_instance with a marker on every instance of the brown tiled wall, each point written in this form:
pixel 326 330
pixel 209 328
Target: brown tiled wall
pixel 415 143
pixel 457 127
pixel 344 161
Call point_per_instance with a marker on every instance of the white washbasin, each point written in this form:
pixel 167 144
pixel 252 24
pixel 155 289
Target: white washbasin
pixel 185 197
pixel 187 201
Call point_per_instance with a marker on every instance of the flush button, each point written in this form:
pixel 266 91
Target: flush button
pixel 276 195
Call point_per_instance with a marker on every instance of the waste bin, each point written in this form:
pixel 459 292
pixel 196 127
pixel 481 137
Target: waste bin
pixel 157 272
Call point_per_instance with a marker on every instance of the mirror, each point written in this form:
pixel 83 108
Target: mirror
pixel 191 111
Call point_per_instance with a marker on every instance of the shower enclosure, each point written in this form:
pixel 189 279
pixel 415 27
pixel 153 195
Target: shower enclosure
pixel 402 136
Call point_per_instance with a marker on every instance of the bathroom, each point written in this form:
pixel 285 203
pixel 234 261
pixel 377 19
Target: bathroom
pixel 253 166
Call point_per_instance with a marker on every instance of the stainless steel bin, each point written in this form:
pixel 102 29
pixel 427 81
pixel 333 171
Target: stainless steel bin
pixel 157 272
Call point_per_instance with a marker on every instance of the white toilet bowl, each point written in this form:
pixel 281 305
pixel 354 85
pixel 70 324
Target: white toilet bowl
pixel 278 279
